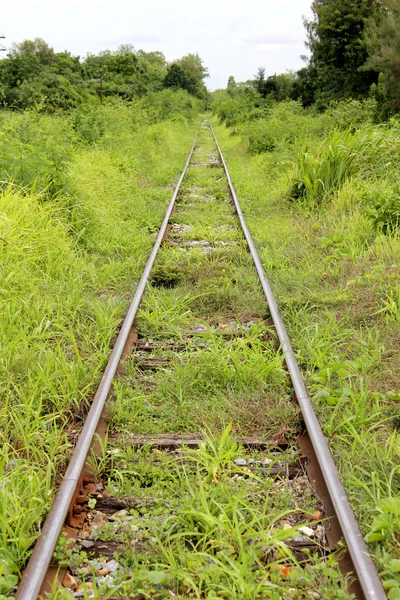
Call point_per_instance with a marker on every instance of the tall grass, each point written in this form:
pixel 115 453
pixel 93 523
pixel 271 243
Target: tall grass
pixel 69 259
pixel 366 154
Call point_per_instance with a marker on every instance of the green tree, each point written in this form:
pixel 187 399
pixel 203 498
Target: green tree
pixel 305 86
pixel 383 44
pixel 178 78
pixel 193 64
pixel 48 91
pixel 338 48
pixel 195 73
pixel 280 87
pixel 34 75
pixel 187 73
pixel 36 49
pixel 231 83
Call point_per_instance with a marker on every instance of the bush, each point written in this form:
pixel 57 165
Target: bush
pixel 261 136
pixel 171 104
pixel 383 206
pixel 347 113
pixel 35 150
pixel 234 107
pixel 282 124
pixel 366 154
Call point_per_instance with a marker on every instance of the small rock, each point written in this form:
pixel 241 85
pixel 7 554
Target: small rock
pixel 307 531
pixel 199 327
pixel 82 590
pixel 99 517
pixel 112 565
pixel 69 582
pixel 314 595
pixel 94 532
pixel 240 462
pixel 86 544
pixel 118 515
pixel 103 572
pixel 287 526
pixel 316 516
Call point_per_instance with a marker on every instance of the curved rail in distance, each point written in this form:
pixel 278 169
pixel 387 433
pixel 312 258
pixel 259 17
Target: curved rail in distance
pixel 41 557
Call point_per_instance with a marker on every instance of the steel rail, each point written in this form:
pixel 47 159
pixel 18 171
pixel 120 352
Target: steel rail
pixel 40 559
pixel 364 566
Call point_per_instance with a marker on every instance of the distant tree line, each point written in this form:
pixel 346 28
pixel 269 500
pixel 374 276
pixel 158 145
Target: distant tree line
pixel 34 75
pixel 354 50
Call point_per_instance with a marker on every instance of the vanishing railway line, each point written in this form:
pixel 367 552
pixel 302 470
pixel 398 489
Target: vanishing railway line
pixel 200 351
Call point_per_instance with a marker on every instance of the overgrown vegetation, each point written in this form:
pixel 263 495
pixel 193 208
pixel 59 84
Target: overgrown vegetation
pixel 34 76
pixel 220 521
pixel 82 195
pixel 85 173
pixel 353 57
pixel 323 207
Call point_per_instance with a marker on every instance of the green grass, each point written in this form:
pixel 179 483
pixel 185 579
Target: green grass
pixel 335 275
pixel 71 254
pixel 203 526
pixel 70 259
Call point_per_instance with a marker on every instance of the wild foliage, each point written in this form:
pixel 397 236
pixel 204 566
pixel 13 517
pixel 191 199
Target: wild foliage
pixel 77 220
pixel 383 46
pixel 332 259
pixel 338 48
pixel 34 76
pixel 354 55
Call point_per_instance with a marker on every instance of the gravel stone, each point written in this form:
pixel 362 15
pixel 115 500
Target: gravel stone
pixel 112 565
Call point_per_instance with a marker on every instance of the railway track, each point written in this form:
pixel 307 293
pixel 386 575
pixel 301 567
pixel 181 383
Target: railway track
pixel 197 474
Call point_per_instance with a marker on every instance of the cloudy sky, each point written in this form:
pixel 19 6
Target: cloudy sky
pixel 233 37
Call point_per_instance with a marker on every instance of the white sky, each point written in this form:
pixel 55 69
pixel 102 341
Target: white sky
pixel 233 37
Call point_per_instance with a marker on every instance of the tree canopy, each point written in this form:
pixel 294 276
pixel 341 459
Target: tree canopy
pixel 33 74
pixel 336 40
pixel 354 54
pixel 383 44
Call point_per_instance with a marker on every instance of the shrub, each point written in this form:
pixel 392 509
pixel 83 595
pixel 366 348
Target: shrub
pixel 368 153
pixel 383 206
pixel 35 150
pixel 281 125
pixel 347 113
pixel 171 104
pixel 261 136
